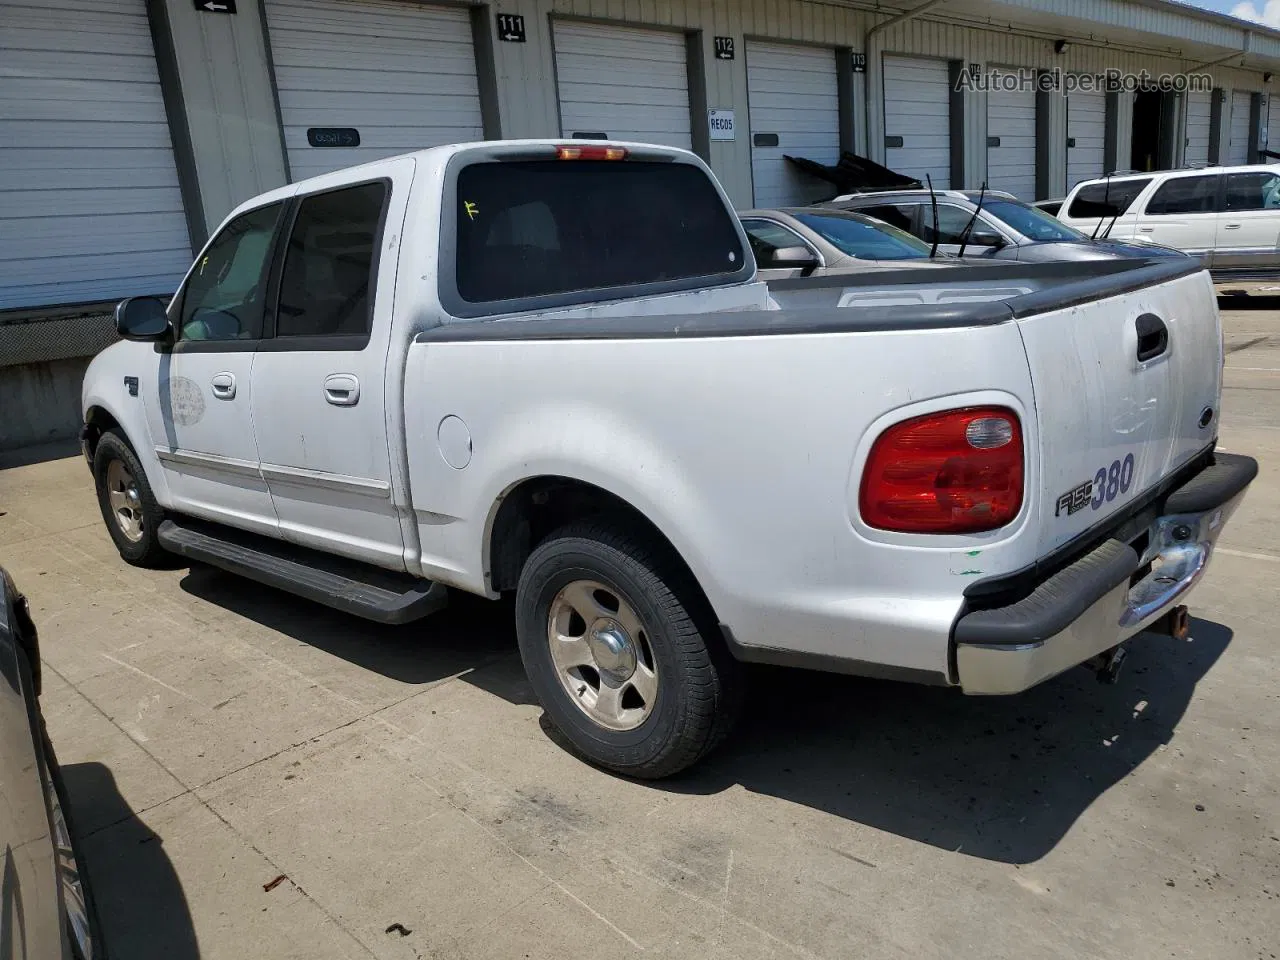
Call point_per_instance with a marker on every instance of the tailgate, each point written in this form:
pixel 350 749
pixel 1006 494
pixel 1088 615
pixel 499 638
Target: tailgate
pixel 1116 413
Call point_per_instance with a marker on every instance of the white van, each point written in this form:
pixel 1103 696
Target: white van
pixel 1228 216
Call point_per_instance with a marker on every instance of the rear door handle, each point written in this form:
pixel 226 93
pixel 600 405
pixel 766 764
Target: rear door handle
pixel 1231 226
pixel 1146 229
pixel 224 386
pixel 342 390
pixel 1153 337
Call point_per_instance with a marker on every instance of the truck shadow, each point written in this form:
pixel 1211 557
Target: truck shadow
pixel 1001 778
pixel 469 634
pixel 140 900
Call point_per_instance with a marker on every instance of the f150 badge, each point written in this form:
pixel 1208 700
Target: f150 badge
pixel 1107 484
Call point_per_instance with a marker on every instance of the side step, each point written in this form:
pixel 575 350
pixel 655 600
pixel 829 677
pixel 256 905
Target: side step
pixel 346 585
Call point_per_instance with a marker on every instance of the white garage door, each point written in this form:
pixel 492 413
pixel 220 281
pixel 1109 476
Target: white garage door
pixel 1238 147
pixel 917 111
pixel 1199 113
pixel 795 111
pixel 89 201
pixel 401 74
pixel 1087 127
pixel 1011 122
pixel 621 83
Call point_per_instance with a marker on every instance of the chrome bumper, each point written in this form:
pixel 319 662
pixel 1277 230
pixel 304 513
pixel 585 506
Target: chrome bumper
pixel 1090 606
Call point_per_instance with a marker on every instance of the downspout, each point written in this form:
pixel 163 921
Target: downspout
pixel 866 46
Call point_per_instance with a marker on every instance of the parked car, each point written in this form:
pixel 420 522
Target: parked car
pixel 1006 228
pixel 47 911
pixel 1050 207
pixel 802 242
pixel 452 369
pixel 1227 216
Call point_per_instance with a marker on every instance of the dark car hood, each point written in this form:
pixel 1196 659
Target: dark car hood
pixel 1088 250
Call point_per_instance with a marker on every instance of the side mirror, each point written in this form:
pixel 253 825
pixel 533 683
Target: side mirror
pixel 142 318
pixel 799 258
pixel 986 238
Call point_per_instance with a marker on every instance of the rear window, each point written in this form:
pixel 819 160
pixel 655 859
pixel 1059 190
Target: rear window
pixel 540 228
pixel 1105 199
pixel 1185 195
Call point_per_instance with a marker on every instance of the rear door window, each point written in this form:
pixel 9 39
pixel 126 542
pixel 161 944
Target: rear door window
pixel 1183 195
pixel 326 288
pixel 529 229
pixel 952 223
pixel 767 238
pixel 1106 199
pixel 1252 191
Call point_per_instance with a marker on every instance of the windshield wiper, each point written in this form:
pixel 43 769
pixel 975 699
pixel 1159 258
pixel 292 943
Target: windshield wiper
pixel 933 199
pixel 964 237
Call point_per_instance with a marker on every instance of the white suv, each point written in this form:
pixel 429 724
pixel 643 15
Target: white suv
pixel 1228 216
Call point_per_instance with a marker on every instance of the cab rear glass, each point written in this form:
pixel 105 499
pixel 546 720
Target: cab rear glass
pixel 546 229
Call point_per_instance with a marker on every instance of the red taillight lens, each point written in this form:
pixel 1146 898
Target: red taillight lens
pixel 959 471
pixel 590 152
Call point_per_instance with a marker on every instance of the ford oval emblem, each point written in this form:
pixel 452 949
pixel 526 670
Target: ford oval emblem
pixel 1206 417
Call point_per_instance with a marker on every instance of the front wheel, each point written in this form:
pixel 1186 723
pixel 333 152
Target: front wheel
pixel 129 508
pixel 608 632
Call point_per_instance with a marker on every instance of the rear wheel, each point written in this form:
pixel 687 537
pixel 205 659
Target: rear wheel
pixel 621 652
pixel 129 508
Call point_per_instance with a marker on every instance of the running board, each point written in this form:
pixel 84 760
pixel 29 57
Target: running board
pixel 346 585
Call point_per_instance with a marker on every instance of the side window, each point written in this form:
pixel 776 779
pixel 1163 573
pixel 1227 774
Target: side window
pixel 224 297
pixel 326 287
pixel 1252 191
pixel 1106 199
pixel 1184 195
pixel 900 215
pixel 951 223
pixel 767 237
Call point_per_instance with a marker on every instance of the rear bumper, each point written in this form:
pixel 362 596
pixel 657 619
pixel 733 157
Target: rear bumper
pixel 1104 597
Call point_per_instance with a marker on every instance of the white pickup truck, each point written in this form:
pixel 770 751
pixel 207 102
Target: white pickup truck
pixel 550 370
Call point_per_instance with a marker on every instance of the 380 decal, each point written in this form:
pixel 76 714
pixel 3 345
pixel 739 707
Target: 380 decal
pixel 1107 484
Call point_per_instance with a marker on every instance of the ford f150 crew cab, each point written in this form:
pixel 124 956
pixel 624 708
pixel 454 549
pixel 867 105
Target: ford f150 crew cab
pixel 550 370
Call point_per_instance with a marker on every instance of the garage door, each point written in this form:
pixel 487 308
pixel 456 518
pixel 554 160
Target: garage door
pixel 1238 147
pixel 1011 123
pixel 89 201
pixel 917 125
pixel 401 74
pixel 794 106
pixel 1086 135
pixel 621 83
pixel 1199 113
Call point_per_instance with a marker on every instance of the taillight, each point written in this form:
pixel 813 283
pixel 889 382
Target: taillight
pixel 591 152
pixel 958 471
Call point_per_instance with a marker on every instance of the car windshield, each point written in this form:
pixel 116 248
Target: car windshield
pixel 1031 222
pixel 864 237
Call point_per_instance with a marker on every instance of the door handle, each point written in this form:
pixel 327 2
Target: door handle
pixel 1146 229
pixel 1153 337
pixel 224 386
pixel 342 390
pixel 1231 226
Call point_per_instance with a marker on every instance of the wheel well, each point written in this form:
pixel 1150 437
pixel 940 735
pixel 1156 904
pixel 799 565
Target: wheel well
pixel 97 422
pixel 536 508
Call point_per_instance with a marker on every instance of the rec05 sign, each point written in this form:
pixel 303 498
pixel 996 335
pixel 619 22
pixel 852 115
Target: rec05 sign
pixel 721 124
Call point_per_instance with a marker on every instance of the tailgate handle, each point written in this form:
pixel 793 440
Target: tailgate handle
pixel 1153 337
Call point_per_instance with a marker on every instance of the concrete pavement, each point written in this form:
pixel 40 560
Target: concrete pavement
pixel 217 736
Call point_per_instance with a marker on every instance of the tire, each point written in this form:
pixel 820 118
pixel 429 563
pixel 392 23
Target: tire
pixel 75 896
pixel 684 689
pixel 116 465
